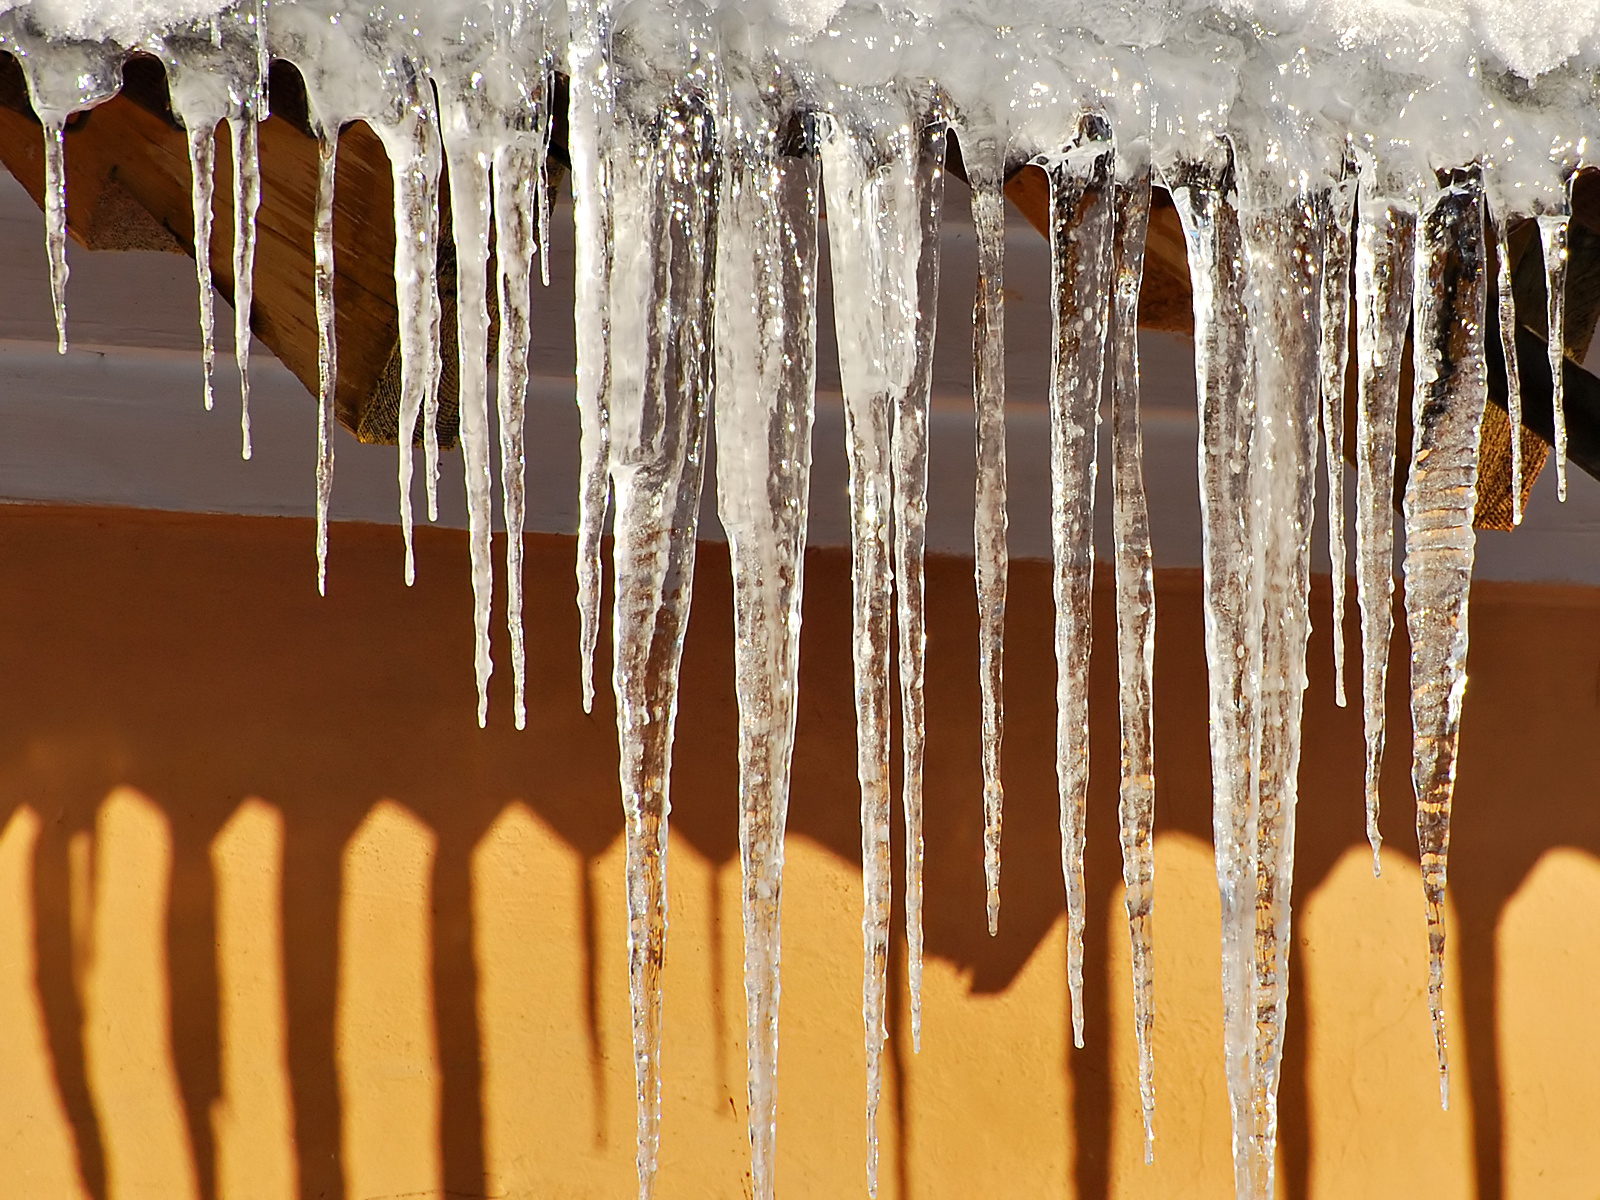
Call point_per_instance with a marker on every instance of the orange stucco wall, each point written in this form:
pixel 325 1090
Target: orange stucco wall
pixel 277 919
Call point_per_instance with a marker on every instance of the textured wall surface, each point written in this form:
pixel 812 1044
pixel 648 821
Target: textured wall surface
pixel 277 919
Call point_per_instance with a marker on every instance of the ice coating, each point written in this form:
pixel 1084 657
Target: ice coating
pixel 1441 493
pixel 1386 237
pixel 1136 614
pixel 766 400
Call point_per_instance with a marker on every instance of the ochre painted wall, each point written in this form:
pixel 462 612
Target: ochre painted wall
pixel 277 919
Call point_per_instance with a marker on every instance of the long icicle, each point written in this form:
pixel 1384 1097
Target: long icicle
pixel 1553 241
pixel 766 401
pixel 589 122
pixel 202 185
pixel 327 343
pixel 985 163
pixel 412 143
pixel 471 159
pixel 244 130
pixel 1441 495
pixel 1505 296
pixel 1386 236
pixel 1081 228
pixel 1136 614
pixel 874 251
pixel 909 473
pixel 1284 250
pixel 515 215
pixel 1335 350
pixel 666 204
pixel 1203 193
pixel 55 222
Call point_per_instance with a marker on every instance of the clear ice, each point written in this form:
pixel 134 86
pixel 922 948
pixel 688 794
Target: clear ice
pixel 1136 613
pixel 985 163
pixel 765 405
pixel 1386 238
pixel 1081 229
pixel 700 135
pixel 1449 299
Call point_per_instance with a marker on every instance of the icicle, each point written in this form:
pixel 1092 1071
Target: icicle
pixel 588 143
pixel 1506 297
pixel 470 159
pixel 413 147
pixel 243 128
pixel 542 176
pixel 1335 349
pixel 909 471
pixel 327 344
pixel 1441 494
pixel 430 395
pixel 766 388
pixel 985 163
pixel 1081 285
pixel 664 192
pixel 202 170
pixel 874 246
pixel 1284 251
pixel 1136 612
pixel 1553 241
pixel 64 76
pixel 1225 388
pixel 55 221
pixel 1385 249
pixel 514 216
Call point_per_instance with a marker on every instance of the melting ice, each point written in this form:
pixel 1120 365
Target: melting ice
pixel 1337 162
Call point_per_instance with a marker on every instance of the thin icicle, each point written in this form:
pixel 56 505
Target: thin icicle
pixel 202 186
pixel 1441 495
pixel 1284 252
pixel 664 193
pixel 1225 390
pixel 55 222
pixel 1335 350
pixel 1081 227
pixel 1553 241
pixel 766 389
pixel 1506 298
pixel 514 217
pixel 244 130
pixel 64 76
pixel 327 343
pixel 430 395
pixel 1386 239
pixel 413 147
pixel 985 163
pixel 588 142
pixel 471 160
pixel 874 243
pixel 1136 615
pixel 909 471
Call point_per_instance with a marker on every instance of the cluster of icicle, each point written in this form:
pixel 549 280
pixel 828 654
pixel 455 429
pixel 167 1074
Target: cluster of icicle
pixel 701 138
